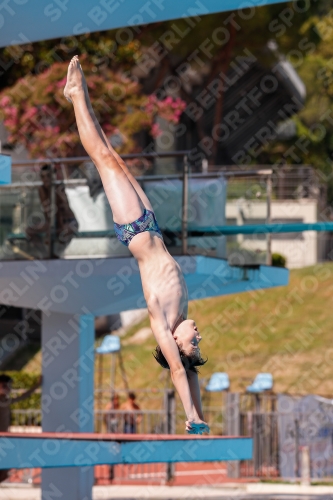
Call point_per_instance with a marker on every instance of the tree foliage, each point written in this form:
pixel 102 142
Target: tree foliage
pixel 313 144
pixel 37 115
pixel 23 381
pixel 302 30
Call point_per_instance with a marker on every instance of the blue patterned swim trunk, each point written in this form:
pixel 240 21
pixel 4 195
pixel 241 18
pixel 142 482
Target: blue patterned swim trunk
pixel 147 222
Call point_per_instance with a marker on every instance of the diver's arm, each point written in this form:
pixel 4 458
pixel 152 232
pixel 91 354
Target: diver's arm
pixel 179 378
pixel 193 382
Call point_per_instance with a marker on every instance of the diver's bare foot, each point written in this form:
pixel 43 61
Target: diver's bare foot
pixel 75 80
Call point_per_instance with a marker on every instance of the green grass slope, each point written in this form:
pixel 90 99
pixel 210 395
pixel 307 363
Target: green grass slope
pixel 286 331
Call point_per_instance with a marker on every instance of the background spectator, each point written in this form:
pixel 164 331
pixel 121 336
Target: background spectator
pixel 130 420
pixel 5 403
pixel 110 418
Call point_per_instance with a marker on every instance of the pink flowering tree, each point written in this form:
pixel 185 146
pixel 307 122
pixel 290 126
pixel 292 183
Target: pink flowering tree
pixel 37 115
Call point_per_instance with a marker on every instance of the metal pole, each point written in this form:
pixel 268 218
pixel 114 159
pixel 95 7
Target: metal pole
pixel 232 416
pixel 269 220
pixel 297 461
pixel 100 394
pixel 123 372
pixel 52 219
pixel 170 410
pixel 113 375
pixel 79 159
pixel 185 206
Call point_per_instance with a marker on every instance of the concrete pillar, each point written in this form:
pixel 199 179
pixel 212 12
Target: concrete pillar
pixel 68 396
pixel 165 143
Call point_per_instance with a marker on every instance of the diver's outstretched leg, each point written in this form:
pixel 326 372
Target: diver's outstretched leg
pixel 142 195
pixel 126 204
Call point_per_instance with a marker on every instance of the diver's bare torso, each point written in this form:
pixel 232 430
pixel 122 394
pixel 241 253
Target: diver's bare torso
pixel 163 283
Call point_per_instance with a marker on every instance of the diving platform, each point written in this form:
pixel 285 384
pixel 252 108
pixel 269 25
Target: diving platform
pixel 109 286
pixel 49 450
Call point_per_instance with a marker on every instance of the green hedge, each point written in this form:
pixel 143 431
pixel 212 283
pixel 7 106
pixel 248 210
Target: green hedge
pixel 278 260
pixel 23 380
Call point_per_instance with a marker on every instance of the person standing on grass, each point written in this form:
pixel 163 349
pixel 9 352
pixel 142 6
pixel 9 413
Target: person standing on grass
pixel 130 419
pixel 136 227
pixel 111 418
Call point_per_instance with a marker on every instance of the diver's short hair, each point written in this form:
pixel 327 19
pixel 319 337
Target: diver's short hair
pixel 190 362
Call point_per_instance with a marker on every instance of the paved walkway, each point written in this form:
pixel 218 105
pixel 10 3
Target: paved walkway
pixel 232 491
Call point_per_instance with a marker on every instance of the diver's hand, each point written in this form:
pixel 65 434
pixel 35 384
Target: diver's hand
pixel 197 427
